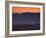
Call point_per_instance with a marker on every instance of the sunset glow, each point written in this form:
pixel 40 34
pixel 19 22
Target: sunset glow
pixel 25 9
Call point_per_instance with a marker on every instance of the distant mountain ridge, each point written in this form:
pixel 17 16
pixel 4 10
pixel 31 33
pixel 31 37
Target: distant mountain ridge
pixel 26 12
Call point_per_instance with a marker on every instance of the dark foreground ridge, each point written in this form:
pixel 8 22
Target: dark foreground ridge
pixel 25 21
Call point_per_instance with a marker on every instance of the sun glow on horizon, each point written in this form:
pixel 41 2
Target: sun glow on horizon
pixel 25 9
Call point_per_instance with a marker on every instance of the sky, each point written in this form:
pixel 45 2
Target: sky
pixel 25 9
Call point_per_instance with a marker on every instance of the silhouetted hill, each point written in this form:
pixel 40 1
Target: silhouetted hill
pixel 26 13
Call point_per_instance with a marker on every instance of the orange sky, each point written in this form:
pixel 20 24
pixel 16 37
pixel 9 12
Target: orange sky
pixel 25 9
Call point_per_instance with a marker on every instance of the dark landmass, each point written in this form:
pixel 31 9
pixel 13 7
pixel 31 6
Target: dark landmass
pixel 25 21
